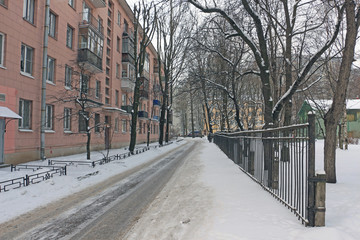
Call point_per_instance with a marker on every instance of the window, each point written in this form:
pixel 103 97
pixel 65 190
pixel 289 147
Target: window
pixel 126 26
pixel 116 127
pixel 84 83
pixel 67 119
pixel 2 49
pixel 52 25
pixel 124 126
pixel 50 70
pixel 147 63
pixel 25 107
pixel 26 59
pixel 97 89
pixel 116 98
pixel 72 3
pixel 68 76
pixel 119 18
pixel 118 44
pixel 3 2
pixel 49 110
pixel 117 70
pixel 107 91
pixel 28 10
pixel 83 116
pixel 97 122
pixel 69 37
pixel 124 102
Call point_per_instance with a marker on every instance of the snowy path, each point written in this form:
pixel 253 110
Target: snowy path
pixel 211 199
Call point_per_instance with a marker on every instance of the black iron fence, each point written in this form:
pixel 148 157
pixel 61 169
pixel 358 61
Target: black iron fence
pixel 28 179
pixel 60 170
pixel 281 160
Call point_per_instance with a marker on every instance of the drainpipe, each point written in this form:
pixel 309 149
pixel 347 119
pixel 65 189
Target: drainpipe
pixel 43 82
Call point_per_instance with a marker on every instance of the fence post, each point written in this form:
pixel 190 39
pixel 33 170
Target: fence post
pixel 311 170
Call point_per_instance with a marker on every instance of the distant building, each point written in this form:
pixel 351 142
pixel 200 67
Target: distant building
pixel 321 106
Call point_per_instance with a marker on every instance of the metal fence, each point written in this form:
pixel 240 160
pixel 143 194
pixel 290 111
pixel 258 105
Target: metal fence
pixel 281 160
pixel 28 179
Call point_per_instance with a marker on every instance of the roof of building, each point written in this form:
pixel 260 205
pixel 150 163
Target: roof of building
pixel 325 104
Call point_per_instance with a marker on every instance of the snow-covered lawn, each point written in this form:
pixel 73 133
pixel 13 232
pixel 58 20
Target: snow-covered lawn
pixel 18 201
pixel 236 207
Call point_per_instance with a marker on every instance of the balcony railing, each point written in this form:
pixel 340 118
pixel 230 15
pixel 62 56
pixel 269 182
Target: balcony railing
pixel 127 108
pixel 127 84
pixel 156 102
pixel 91 60
pixel 88 20
pixel 98 3
pixel 143 114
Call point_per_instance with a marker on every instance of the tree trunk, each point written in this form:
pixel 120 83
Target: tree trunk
pixel 134 115
pixel 335 112
pixel 192 114
pixel 162 123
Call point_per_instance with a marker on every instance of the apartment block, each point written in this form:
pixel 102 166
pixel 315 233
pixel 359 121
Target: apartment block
pixel 89 74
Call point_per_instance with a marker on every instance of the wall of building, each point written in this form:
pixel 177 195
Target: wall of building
pixel 22 145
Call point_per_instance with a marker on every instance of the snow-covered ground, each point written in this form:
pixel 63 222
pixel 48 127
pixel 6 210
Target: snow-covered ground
pixel 210 198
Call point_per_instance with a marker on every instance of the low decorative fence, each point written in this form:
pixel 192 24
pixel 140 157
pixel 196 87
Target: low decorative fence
pixel 30 178
pixel 282 161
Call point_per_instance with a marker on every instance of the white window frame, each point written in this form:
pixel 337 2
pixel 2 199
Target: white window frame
pixel 25 107
pixel 69 36
pixel 124 126
pixel 67 119
pixel 49 116
pixel 29 10
pixel 124 100
pixel 2 48
pixel 52 24
pixel 25 51
pixel 68 77
pixel 50 70
pixel 71 3
pixel 97 89
pixel 116 127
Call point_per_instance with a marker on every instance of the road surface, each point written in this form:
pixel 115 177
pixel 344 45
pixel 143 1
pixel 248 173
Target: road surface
pixel 107 210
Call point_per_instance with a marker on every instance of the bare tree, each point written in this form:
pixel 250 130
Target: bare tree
pixel 144 29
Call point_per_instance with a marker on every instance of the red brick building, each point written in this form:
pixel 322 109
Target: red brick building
pixel 89 52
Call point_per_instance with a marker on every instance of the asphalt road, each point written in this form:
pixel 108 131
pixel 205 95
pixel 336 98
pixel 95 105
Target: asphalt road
pixel 105 211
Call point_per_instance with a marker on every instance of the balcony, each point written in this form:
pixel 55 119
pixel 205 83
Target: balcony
pixel 144 94
pixel 127 108
pixel 98 3
pixel 143 114
pixel 127 85
pixel 91 61
pixel 156 103
pixel 89 21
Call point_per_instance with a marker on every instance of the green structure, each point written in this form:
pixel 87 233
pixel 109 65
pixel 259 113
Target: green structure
pixel 352 112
